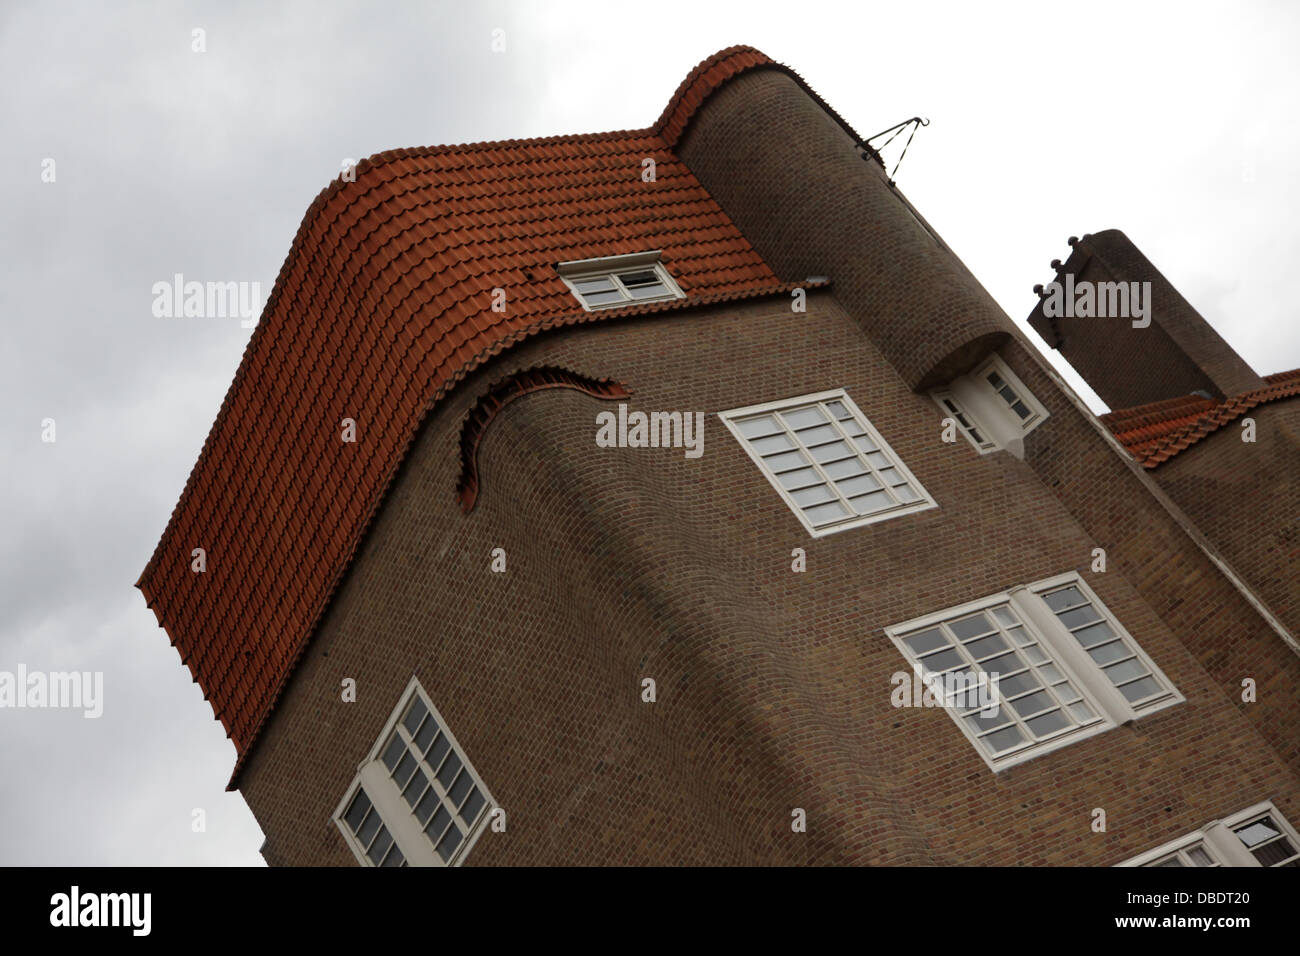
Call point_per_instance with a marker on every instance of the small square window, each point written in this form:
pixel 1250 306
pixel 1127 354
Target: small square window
pixel 619 280
pixel 991 407
pixel 826 461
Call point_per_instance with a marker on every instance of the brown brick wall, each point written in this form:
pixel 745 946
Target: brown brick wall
pixel 1245 497
pixel 789 177
pixel 773 686
pixel 761 146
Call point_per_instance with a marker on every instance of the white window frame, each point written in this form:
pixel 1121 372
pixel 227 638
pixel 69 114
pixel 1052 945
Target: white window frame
pixel 985 443
pixel 924 503
pixel 988 411
pixel 1220 841
pixel 611 267
pixel 1065 653
pixel 394 812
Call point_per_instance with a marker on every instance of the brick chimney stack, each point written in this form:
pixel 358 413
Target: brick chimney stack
pixel 1126 360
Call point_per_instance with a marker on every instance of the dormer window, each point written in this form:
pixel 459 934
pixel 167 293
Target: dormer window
pixel 619 280
pixel 991 407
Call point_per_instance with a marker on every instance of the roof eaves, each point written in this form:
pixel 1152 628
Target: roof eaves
pixel 583 317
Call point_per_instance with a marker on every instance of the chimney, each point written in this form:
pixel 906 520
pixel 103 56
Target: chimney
pixel 1129 332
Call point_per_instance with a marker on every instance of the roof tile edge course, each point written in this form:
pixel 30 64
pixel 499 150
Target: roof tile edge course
pixel 577 318
pixel 717 70
pixel 682 106
pixel 499 395
pixel 1159 431
pixel 241 697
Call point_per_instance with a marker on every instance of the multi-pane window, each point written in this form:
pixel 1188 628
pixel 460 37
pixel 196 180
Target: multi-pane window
pixel 823 457
pixel 416 800
pixel 1009 395
pixel 1194 855
pixel 991 407
pixel 1111 651
pixel 1263 836
pixel 371 835
pixel 1032 647
pixel 1258 836
pixel 1037 701
pixel 619 280
pixel 434 780
pixel 949 403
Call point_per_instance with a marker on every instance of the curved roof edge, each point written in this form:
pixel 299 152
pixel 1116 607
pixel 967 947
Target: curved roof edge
pixel 705 79
pixel 576 318
pixel 712 74
pixel 245 714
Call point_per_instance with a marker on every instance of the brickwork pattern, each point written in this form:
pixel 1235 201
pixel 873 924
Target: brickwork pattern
pixel 1177 354
pixel 1245 497
pixel 773 686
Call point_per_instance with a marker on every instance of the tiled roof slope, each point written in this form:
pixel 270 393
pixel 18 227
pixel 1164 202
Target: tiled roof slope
pixel 382 305
pixel 1157 432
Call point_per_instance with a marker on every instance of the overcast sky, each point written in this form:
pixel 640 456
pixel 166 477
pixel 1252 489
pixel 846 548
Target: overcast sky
pixel 1174 122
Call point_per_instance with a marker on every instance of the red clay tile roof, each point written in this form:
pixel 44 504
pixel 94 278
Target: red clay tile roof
pixel 702 81
pixel 1156 432
pixel 382 306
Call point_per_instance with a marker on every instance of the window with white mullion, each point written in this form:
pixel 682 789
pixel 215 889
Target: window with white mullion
pixel 829 453
pixel 1195 855
pixel 1267 842
pixel 1037 702
pixel 1117 658
pixel 372 836
pixel 1049 691
pixel 819 509
pixel 642 284
pixel 991 406
pixel 965 421
pixel 619 280
pixel 433 779
pixel 418 787
pixel 854 437
pixel 1009 395
pixel 1257 836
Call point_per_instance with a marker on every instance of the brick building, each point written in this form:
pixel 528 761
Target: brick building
pixel 454 611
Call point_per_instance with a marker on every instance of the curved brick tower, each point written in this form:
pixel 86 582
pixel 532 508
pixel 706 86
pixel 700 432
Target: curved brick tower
pixel 532 621
pixel 787 172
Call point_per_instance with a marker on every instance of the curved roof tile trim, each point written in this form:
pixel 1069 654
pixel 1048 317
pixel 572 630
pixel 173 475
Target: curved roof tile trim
pixel 381 307
pixel 703 81
pixel 500 395
pixel 1156 432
